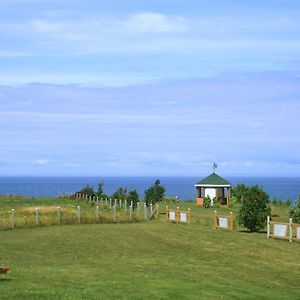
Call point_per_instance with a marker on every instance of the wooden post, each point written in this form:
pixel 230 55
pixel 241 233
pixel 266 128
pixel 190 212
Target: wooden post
pixel 177 216
pixel 167 214
pixel 231 221
pixel 130 212
pixel 157 211
pixel 151 209
pixel 110 200
pixel 97 213
pixel 215 219
pixel 189 216
pixel 138 210
pixel 145 211
pixel 97 200
pixel 291 229
pixel 90 200
pixel 78 214
pixel 120 203
pixel 268 226
pixel 125 207
pixel 13 218
pixel 37 217
pixel 58 215
pixel 114 213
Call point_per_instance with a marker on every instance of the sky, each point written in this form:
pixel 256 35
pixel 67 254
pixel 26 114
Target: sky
pixel 149 88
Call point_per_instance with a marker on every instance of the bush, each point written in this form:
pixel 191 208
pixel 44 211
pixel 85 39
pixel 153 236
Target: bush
pixel 239 191
pixel 288 202
pixel 294 212
pixel 134 197
pixel 88 190
pixel 155 193
pixel 275 201
pixel 207 202
pixel 254 209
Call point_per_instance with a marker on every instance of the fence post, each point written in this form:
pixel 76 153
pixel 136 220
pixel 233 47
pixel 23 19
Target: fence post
pixel 120 203
pixel 90 200
pixel 138 210
pixel 215 219
pixel 151 209
pixel 97 213
pixel 58 215
pixel 114 213
pixel 13 218
pixel 78 214
pixel 145 211
pixel 177 217
pixel 189 216
pixel 37 216
pixel 291 229
pixel 97 200
pixel 125 207
pixel 231 221
pixel 130 212
pixel 157 211
pixel 268 226
pixel 167 214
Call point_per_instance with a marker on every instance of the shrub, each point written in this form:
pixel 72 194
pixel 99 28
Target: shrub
pixel 254 209
pixel 207 202
pixel 134 197
pixel 155 193
pixel 294 212
pixel 239 191
pixel 88 190
pixel 288 202
pixel 275 201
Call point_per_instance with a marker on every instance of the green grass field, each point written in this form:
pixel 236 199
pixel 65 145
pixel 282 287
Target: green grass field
pixel 147 260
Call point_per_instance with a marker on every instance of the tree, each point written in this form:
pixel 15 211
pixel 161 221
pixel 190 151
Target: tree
pixel 294 212
pixel 254 208
pixel 134 197
pixel 88 190
pixel 120 193
pixel 100 189
pixel 155 193
pixel 239 191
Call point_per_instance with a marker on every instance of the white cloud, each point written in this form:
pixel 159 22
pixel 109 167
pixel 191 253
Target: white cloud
pixel 155 22
pixel 41 161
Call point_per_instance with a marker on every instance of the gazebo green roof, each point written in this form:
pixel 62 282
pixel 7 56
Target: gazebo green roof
pixel 213 180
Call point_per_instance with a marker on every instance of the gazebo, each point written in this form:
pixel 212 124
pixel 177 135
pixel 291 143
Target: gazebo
pixel 213 186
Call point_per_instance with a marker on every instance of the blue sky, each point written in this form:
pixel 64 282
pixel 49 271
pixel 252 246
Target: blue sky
pixel 149 87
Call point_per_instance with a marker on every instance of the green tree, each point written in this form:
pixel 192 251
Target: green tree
pixel 134 197
pixel 239 191
pixel 88 190
pixel 254 208
pixel 120 193
pixel 155 193
pixel 294 212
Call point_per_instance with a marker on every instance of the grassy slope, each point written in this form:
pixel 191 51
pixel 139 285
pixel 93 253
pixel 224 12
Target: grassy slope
pixel 148 260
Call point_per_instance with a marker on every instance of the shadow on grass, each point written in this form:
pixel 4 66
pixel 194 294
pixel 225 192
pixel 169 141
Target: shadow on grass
pixel 5 279
pixel 247 231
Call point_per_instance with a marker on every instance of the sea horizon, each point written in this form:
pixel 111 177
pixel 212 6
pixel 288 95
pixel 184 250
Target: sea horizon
pixel 280 187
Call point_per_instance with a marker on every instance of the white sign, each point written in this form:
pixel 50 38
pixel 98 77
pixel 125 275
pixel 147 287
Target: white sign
pixel 298 233
pixel 223 222
pixel 183 217
pixel 280 230
pixel 172 215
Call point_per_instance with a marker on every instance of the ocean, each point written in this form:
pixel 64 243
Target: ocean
pixel 183 187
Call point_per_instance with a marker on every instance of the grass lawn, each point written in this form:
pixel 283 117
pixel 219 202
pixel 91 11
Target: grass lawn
pixel 153 260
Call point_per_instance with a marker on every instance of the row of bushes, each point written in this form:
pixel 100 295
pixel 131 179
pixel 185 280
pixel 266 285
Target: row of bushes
pixel 153 194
